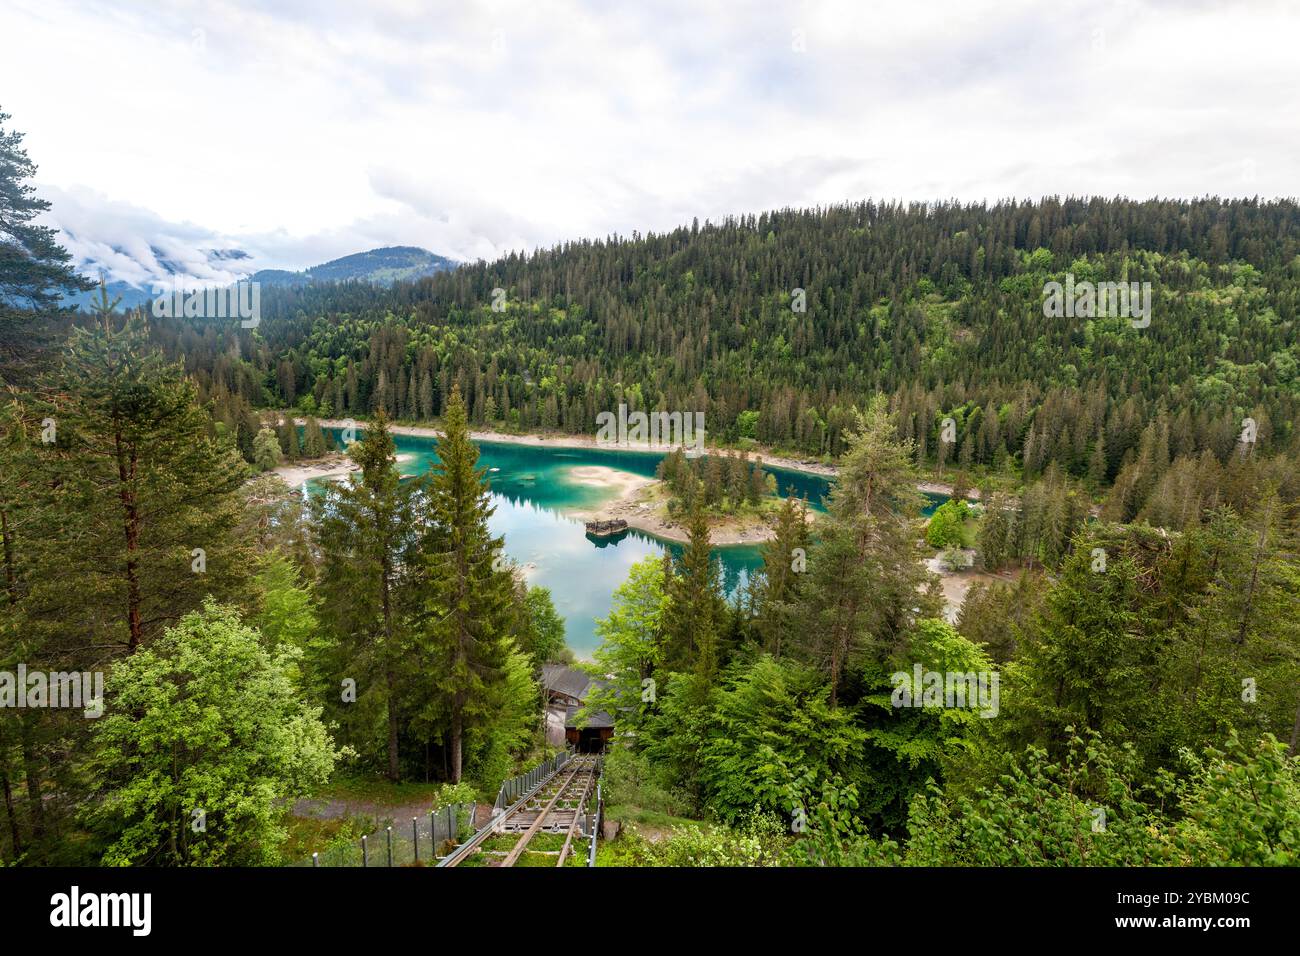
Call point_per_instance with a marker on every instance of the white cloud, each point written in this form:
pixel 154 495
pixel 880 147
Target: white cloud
pixel 302 131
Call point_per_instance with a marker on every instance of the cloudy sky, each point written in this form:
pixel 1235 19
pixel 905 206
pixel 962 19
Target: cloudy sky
pixel 302 130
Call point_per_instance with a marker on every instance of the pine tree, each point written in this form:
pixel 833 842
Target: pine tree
pixel 777 587
pixel 466 596
pixel 695 609
pixel 367 532
pixel 151 497
pixel 866 582
pixel 34 268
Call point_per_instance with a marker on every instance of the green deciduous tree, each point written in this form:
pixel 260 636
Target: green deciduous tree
pixel 203 738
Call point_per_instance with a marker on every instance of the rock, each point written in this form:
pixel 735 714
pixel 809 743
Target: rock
pixel 603 528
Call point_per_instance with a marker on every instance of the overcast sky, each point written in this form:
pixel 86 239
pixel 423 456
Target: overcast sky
pixel 302 130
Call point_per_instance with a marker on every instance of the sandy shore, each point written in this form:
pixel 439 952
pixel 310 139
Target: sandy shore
pixel 635 507
pixel 332 466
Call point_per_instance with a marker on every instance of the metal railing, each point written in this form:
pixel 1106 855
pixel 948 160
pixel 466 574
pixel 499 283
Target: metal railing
pixel 516 787
pixel 421 840
pixel 513 793
pixel 598 812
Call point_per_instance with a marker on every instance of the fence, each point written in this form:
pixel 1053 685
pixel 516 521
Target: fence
pixel 418 840
pixel 516 787
pixel 594 817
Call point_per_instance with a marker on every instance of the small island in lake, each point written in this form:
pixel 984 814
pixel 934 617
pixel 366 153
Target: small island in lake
pixel 737 494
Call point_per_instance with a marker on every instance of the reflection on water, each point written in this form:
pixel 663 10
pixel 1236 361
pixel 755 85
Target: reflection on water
pixel 534 494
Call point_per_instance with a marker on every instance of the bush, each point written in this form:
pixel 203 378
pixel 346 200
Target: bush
pixel 759 839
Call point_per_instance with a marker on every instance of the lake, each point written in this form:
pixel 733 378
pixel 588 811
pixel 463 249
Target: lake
pixel 534 494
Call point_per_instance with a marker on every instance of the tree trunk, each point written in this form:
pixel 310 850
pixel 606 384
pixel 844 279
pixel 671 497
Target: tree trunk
pixel 32 768
pixel 457 733
pixel 131 528
pixel 15 836
pixel 393 772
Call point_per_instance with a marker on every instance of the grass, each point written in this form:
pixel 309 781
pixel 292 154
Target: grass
pixel 628 814
pixel 378 791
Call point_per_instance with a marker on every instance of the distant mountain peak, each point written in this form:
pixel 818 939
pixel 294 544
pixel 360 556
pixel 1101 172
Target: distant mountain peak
pixel 385 266
pixel 382 266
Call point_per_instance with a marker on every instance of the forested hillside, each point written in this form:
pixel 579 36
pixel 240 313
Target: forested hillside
pixel 938 306
pixel 1128 684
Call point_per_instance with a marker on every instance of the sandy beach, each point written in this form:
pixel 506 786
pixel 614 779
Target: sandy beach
pixel 634 506
pixel 332 466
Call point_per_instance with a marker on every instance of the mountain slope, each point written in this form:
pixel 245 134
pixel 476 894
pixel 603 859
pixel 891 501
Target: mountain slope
pixel 384 266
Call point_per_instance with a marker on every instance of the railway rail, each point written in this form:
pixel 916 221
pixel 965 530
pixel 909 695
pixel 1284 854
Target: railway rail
pixel 542 827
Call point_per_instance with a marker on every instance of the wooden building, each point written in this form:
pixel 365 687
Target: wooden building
pixel 566 692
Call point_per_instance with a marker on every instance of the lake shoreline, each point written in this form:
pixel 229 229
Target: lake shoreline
pixel 589 442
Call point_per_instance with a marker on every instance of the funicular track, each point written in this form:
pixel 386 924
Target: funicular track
pixel 543 824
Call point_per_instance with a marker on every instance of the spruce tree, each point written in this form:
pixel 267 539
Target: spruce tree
pixel 466 606
pixel 35 270
pixel 778 585
pixel 367 535
pixel 694 615
pixel 867 583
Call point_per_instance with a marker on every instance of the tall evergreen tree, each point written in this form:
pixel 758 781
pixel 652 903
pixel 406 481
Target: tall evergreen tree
pixel 34 269
pixel 777 587
pixel 151 496
pixel 694 617
pixel 867 582
pixel 466 603
pixel 367 529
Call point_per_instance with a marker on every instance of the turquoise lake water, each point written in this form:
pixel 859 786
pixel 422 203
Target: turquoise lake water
pixel 534 493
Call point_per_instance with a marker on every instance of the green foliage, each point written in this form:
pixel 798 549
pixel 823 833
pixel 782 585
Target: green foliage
pixel 631 645
pixel 865 568
pixel 465 606
pixel 34 269
pixel 630 779
pixel 266 450
pixel 944 529
pixel 1083 811
pixel 1240 807
pixel 771 734
pixel 758 840
pixel 546 626
pixel 205 719
pixel 366 529
pixel 287 616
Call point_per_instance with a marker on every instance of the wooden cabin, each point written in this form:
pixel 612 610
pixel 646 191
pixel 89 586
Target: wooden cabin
pixel 566 692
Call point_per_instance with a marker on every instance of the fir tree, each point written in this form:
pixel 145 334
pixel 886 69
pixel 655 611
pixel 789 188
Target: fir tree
pixel 466 600
pixel 367 534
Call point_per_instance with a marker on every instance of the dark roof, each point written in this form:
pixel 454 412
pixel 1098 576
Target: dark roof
pixel 576 684
pixel 566 680
pixel 598 719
